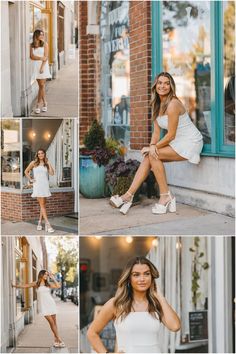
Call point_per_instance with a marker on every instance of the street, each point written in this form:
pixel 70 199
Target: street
pixel 63 225
pixel 99 218
pixel 62 92
pixel 37 337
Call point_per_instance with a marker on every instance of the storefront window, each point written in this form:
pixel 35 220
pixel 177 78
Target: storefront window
pixel 187 56
pixel 20 270
pixel 10 153
pixel 229 72
pixel 115 84
pixel 56 138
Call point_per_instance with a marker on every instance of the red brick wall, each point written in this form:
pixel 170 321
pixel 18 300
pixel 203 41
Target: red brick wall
pixel 22 207
pixel 140 73
pixel 89 72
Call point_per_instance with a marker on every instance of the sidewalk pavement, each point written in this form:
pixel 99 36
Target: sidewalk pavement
pixel 62 92
pixel 37 337
pixel 99 218
pixel 63 225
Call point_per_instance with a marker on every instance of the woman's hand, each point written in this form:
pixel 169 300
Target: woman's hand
pixel 153 152
pixel 145 150
pixel 41 70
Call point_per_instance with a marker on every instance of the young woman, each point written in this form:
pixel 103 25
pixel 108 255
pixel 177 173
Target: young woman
pixel 182 142
pixel 41 168
pixel 39 56
pixel 138 309
pixel 46 304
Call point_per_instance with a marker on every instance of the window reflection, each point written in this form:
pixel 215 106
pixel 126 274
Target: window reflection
pixel 187 56
pixel 116 69
pixel 229 72
pixel 10 153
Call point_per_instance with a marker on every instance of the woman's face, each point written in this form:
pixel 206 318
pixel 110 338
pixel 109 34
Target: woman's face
pixel 163 86
pixel 140 278
pixel 41 36
pixel 41 155
pixel 45 276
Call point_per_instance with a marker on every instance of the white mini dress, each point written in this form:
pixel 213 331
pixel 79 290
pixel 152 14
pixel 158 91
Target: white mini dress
pixel 138 333
pixel 39 52
pixel 188 141
pixel 41 184
pixel 46 303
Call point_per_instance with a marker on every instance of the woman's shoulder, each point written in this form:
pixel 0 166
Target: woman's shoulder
pixel 175 105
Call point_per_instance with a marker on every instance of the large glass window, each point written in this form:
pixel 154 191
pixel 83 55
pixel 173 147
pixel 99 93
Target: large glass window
pixel 229 72
pixel 34 273
pixel 10 153
pixel 187 56
pixel 115 78
pixel 197 47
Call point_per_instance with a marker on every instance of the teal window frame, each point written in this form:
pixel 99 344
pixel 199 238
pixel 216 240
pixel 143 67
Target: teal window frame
pixel 217 146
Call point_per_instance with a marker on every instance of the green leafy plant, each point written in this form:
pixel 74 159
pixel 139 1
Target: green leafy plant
pixel 95 137
pixel 197 266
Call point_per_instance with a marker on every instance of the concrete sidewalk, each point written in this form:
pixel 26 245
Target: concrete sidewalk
pixel 99 218
pixel 37 337
pixel 63 225
pixel 62 92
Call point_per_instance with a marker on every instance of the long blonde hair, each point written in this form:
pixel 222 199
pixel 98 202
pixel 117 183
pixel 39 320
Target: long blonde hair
pixel 124 295
pixel 155 98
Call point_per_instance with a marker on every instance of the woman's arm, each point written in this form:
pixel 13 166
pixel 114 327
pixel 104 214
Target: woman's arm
pixel 105 315
pixel 50 170
pixel 56 284
pixel 170 318
pixel 24 286
pixel 155 137
pixel 45 58
pixel 28 169
pixel 173 112
pixel 35 57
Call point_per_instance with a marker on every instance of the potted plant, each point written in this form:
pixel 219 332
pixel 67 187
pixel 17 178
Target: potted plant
pixel 94 156
pixel 120 174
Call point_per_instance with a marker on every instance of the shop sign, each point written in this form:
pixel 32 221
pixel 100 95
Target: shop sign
pixel 198 326
pixel 116 45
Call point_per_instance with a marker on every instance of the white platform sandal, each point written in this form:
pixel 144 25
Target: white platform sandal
pixel 39 226
pixel 127 204
pixel 37 110
pixel 48 228
pixel 116 201
pixel 162 209
pixel 45 108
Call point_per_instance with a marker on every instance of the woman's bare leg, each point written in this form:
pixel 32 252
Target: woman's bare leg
pixel 166 154
pixel 42 203
pixel 55 323
pixel 40 97
pixel 53 327
pixel 44 91
pixel 139 178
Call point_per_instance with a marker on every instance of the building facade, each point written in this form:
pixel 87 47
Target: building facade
pixel 125 44
pixel 21 260
pixel 21 138
pixel 19 19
